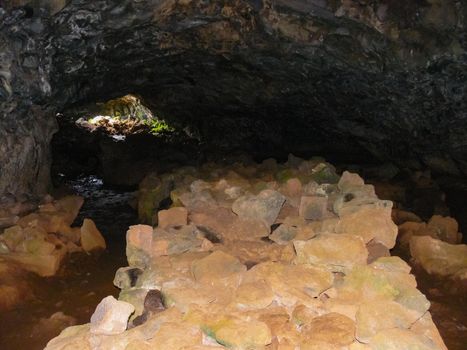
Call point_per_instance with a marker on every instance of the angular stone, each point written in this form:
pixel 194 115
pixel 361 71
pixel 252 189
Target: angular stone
pixel 376 250
pixel 375 316
pixel 291 283
pixel 111 316
pixel 313 207
pixel 139 245
pixel 215 266
pixel 12 236
pixel 265 206
pixel 91 238
pixel 292 189
pixel 252 252
pixel 333 329
pixel 383 281
pixel 36 246
pixel 184 293
pixel 152 190
pixel 438 257
pixel 370 224
pixel 44 265
pixel 172 217
pixel 70 207
pixel 349 180
pixel 284 234
pixel 335 252
pixel 177 240
pixel 246 230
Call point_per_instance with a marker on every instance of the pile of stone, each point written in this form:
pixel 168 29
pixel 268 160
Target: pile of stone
pixel 38 242
pixel 262 256
pixel 435 246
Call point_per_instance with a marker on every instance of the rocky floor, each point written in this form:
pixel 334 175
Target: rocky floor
pixel 161 283
pixel 261 257
pixel 71 296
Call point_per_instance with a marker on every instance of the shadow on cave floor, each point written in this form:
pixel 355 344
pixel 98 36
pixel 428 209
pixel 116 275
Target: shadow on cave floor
pixel 83 280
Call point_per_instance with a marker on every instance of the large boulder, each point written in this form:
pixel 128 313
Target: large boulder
pixel 265 206
pixel 438 257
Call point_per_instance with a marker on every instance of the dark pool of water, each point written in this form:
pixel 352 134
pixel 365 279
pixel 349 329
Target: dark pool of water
pixel 83 279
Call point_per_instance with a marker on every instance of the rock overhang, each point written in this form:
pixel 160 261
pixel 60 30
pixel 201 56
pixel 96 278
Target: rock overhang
pixel 383 78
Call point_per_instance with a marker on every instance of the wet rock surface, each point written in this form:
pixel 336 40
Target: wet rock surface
pixel 302 293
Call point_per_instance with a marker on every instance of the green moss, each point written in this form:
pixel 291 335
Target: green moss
pixel 159 126
pixel 284 175
pixel 325 175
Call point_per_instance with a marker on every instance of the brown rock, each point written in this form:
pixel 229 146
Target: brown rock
pixel 111 316
pixel 370 224
pixel 349 180
pixel 91 238
pixel 313 207
pixel 172 217
pixel 333 329
pixel 335 252
pixel 215 266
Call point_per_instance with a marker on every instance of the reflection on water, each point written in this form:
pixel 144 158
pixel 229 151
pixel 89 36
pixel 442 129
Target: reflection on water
pixel 83 279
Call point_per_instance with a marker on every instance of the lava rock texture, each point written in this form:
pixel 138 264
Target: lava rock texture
pixel 381 78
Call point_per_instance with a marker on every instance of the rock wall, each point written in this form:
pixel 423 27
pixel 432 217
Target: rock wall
pixel 369 78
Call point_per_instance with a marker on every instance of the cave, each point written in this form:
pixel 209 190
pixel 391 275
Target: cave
pixel 241 143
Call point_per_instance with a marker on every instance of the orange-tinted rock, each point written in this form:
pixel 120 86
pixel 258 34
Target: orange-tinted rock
pixel 172 217
pixel 91 238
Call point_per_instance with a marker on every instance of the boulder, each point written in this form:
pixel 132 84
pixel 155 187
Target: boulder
pixel 177 240
pixel 313 207
pixel 215 266
pixel 291 283
pixel 111 316
pixel 445 229
pixel 335 252
pixel 332 329
pixel 91 238
pixel 375 316
pixel 265 206
pixel 370 224
pixel 438 257
pixel 172 217
pixel 44 265
pixel 349 180
pixel 139 245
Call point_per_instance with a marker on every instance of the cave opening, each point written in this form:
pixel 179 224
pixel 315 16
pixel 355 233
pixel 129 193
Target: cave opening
pixel 190 174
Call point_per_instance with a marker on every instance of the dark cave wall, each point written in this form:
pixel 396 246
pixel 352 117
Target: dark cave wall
pixel 381 78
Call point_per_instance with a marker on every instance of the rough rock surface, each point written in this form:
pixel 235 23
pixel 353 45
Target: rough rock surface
pixel 291 74
pixel 39 241
pixel 211 288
